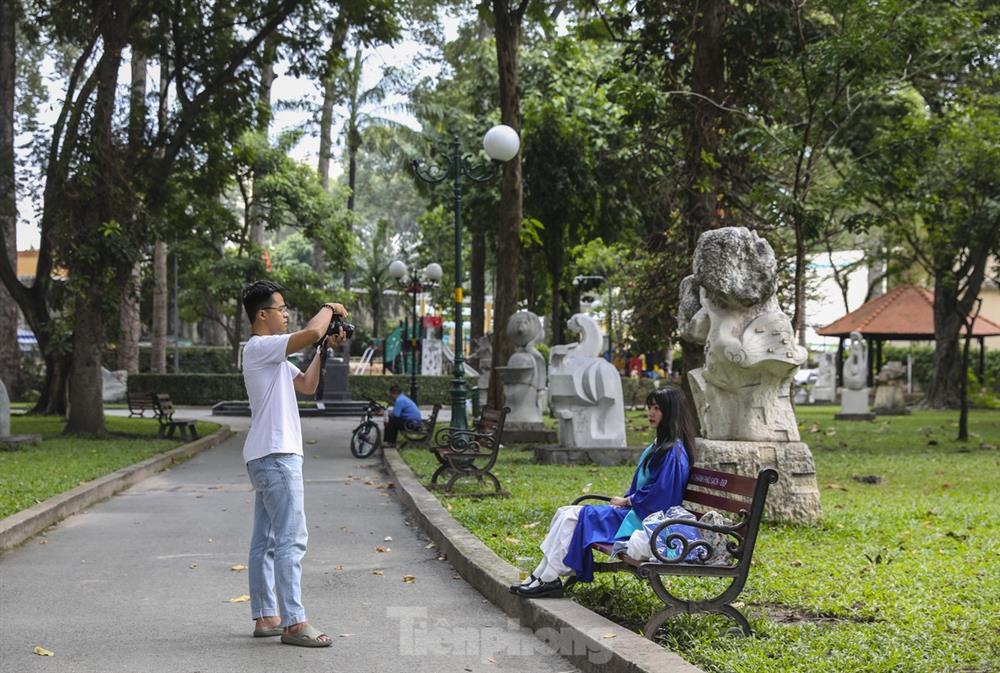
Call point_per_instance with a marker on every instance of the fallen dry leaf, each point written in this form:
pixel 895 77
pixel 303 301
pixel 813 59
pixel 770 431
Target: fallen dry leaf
pixel 345 635
pixel 369 482
pixel 491 660
pixel 609 636
pixel 239 567
pixel 587 487
pixel 42 652
pixel 513 540
pixel 338 567
pixel 430 545
pixel 193 566
pixel 310 441
pixel 530 525
pixel 239 599
pixel 796 563
pixel 409 579
pixel 382 549
pixel 43 542
pixel 835 487
pixel 442 557
pixel 378 572
pixel 387 538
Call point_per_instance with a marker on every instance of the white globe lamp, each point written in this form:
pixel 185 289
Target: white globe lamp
pixel 501 143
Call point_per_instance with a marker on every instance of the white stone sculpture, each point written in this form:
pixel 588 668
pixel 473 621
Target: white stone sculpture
pixel 742 392
pixel 483 355
pixel 890 394
pixel 728 304
pixel 854 394
pixel 523 377
pixel 4 411
pixel 431 357
pixel 585 390
pixel 825 388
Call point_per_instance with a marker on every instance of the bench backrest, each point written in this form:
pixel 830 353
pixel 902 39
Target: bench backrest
pixel 491 422
pixel 432 421
pixel 140 400
pixel 165 406
pixel 742 496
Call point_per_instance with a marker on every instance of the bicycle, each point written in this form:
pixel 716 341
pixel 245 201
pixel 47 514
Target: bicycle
pixel 367 437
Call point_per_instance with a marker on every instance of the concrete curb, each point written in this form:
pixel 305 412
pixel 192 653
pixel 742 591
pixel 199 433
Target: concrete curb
pixel 590 641
pixel 18 527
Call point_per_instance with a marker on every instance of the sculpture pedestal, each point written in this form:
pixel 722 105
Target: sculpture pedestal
pixel 824 394
pixel 524 433
pixel 561 455
pixel 854 406
pixel 890 400
pixel 15 442
pixel 335 388
pixel 795 498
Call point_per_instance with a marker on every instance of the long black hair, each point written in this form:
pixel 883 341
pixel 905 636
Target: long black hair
pixel 675 424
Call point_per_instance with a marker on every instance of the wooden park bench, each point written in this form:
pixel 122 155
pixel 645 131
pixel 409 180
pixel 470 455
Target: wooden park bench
pixel 470 453
pixel 418 434
pixel 706 490
pixel 169 424
pixel 139 403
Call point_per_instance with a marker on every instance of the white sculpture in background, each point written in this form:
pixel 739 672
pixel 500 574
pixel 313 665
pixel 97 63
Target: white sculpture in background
pixel 890 393
pixel 432 357
pixel 482 353
pixel 825 388
pixel 728 304
pixel 854 394
pixel 523 377
pixel 585 390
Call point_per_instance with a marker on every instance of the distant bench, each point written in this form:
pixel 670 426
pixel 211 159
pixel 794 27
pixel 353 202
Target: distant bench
pixel 162 410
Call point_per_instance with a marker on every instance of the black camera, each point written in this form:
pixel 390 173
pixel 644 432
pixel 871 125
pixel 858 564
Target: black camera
pixel 338 326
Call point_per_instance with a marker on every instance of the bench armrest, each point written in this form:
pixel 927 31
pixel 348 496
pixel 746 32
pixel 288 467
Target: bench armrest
pixel 461 440
pixel 591 496
pixel 691 545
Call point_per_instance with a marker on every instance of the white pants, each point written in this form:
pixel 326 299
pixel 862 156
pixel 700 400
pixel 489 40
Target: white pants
pixel 556 543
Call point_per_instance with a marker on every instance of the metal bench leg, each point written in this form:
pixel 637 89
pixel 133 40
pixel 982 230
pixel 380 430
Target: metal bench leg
pixel 736 616
pixel 656 621
pixel 437 474
pixel 496 482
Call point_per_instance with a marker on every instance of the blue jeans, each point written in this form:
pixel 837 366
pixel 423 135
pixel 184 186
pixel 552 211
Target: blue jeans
pixel 279 538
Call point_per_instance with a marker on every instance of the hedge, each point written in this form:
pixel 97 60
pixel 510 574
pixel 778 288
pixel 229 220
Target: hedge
pixel 194 359
pixel 206 389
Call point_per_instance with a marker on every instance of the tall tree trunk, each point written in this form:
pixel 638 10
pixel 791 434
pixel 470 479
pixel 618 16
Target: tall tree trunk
pixel 943 390
pixel 507 29
pixel 325 154
pixel 477 277
pixel 700 210
pixel 129 323
pixel 264 115
pixel 9 351
pixel 158 358
pixel 86 407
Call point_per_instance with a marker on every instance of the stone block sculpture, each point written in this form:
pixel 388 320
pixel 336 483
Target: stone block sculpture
pixel 523 377
pixel 585 390
pixel 854 394
pixel 482 355
pixel 742 393
pixel 825 388
pixel 890 393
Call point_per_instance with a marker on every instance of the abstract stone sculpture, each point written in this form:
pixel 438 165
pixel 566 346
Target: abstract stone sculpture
pixel 523 377
pixel 741 394
pixel 4 411
pixel 585 391
pixel 482 354
pixel 854 394
pixel 825 388
pixel 890 395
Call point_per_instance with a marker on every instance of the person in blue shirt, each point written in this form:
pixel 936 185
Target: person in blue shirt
pixel 404 414
pixel 658 484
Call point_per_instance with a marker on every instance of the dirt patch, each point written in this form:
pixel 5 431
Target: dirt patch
pixel 784 614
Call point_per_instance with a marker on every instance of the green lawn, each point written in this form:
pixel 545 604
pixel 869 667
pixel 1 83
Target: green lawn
pixel 35 473
pixel 902 576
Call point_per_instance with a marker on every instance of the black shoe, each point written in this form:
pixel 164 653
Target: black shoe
pixel 553 589
pixel 515 588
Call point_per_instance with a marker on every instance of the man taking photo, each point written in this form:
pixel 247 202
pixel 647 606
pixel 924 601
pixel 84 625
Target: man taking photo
pixel 273 456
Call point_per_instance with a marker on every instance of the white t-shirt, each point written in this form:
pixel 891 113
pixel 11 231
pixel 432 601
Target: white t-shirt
pixel 274 411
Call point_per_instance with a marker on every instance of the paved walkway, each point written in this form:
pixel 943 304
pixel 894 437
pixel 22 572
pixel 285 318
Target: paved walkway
pixel 140 583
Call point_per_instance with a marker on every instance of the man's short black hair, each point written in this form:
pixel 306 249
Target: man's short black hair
pixel 258 295
pixel 394 389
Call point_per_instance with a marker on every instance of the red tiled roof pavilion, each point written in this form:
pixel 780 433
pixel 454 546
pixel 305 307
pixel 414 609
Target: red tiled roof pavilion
pixel 904 313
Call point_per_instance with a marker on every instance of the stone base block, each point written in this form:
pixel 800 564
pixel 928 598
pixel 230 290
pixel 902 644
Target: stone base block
pixel 525 433
pixel 15 442
pixel 854 417
pixel 854 401
pixel 562 455
pixel 795 498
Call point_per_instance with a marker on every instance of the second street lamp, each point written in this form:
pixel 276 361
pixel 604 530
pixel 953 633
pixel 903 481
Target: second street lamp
pixel 501 144
pixel 414 283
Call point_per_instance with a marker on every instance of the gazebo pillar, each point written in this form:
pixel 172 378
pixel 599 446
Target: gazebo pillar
pixel 878 356
pixel 982 358
pixel 871 361
pixel 840 362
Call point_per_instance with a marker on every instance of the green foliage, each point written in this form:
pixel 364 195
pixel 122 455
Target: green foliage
pixel 899 576
pixel 194 359
pixel 35 473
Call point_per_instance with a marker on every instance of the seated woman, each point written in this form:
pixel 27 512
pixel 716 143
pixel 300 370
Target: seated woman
pixel 658 484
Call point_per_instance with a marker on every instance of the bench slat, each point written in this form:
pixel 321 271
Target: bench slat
pixel 715 501
pixel 723 481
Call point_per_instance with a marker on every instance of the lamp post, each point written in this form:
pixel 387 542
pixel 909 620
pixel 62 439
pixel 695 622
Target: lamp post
pixel 415 282
pixel 576 282
pixel 501 144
